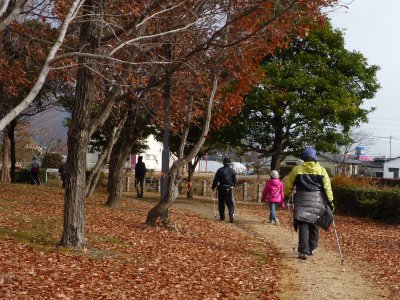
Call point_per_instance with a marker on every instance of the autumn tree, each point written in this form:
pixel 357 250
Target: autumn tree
pixel 224 102
pixel 123 44
pixel 23 58
pixel 14 14
pixel 312 94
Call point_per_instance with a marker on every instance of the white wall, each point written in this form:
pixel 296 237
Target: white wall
pixel 152 157
pixel 209 166
pixel 212 166
pixel 391 164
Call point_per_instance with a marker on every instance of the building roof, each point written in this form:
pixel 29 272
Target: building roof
pixel 336 157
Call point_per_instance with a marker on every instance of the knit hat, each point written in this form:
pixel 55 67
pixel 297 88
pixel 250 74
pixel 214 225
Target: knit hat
pixel 308 154
pixel 274 174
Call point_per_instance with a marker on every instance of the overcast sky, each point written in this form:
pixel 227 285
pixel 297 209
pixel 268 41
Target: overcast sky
pixel 372 28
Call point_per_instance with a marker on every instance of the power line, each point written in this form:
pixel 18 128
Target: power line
pixel 386 137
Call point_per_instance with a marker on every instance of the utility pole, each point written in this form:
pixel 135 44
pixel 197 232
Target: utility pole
pixel 165 152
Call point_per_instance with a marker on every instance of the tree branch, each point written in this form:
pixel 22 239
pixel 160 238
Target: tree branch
pixel 46 67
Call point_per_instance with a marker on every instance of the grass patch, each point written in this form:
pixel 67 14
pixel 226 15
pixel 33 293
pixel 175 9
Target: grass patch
pixel 40 232
pixel 33 237
pixel 260 258
pixel 103 238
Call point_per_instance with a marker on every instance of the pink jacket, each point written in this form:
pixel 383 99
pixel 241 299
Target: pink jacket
pixel 273 192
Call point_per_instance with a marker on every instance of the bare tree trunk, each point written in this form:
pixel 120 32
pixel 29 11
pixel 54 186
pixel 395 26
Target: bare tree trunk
pixel 75 189
pixel 276 153
pixel 94 175
pixel 119 153
pixel 170 196
pixel 173 181
pixel 191 170
pixel 11 135
pixel 104 157
pixel 115 175
pixel 78 141
pixel 276 159
pixel 5 170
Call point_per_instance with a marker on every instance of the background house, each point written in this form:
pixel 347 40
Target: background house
pixel 373 168
pixel 331 162
pixel 151 157
pixel 391 168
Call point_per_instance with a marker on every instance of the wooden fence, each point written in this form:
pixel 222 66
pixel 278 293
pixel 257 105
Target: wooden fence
pixel 247 189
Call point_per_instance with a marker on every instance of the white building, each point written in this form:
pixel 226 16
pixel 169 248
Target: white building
pixel 391 168
pixel 211 166
pixel 151 157
pixel 208 166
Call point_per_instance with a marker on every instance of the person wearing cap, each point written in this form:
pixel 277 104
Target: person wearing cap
pixel 312 198
pixel 273 194
pixel 225 180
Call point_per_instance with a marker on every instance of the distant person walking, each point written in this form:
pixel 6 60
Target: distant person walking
pixel 34 170
pixel 225 180
pixel 273 194
pixel 313 191
pixel 140 173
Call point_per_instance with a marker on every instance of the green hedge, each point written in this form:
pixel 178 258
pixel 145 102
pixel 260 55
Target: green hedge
pixel 383 205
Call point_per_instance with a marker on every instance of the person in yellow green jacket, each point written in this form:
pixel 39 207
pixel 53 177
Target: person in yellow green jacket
pixel 313 191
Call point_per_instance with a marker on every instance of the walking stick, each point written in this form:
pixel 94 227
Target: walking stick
pixel 213 199
pixel 234 204
pixel 30 175
pixel 338 244
pixel 291 222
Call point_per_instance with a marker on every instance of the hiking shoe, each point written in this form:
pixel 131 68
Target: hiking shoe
pixel 311 252
pixel 231 218
pixel 302 256
pixel 277 222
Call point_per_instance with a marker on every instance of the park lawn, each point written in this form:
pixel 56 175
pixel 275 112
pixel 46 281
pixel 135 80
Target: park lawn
pixel 191 258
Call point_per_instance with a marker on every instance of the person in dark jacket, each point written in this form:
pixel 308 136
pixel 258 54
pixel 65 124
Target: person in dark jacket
pixel 34 170
pixel 140 173
pixel 225 180
pixel 313 190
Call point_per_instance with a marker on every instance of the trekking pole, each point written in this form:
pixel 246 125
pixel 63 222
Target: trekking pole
pixel 291 222
pixel 338 244
pixel 213 199
pixel 30 175
pixel 234 203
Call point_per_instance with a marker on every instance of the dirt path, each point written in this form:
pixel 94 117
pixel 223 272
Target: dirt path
pixel 320 277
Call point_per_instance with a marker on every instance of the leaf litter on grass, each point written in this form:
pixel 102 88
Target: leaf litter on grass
pixel 124 259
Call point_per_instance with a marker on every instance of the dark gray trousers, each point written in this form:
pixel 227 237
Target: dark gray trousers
pixel 308 237
pixel 225 197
